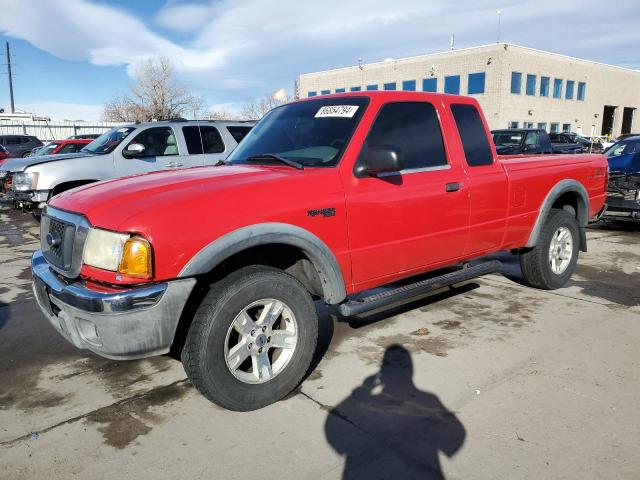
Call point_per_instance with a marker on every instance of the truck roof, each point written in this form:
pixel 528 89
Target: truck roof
pixel 185 122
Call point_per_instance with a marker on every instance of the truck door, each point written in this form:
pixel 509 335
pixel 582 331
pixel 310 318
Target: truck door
pixel 159 152
pixel 409 220
pixel 487 182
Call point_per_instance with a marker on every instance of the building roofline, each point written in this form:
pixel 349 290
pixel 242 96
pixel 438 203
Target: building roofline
pixel 493 46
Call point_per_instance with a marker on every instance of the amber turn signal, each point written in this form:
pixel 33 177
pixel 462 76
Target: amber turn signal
pixel 136 258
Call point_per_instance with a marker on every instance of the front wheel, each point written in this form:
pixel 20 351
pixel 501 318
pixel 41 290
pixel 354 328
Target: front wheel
pixel 252 339
pixel 550 264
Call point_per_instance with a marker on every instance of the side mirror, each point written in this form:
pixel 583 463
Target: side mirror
pixel 380 160
pixel 133 150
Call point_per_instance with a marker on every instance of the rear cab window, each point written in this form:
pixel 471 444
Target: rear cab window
pixel 412 129
pixel 475 143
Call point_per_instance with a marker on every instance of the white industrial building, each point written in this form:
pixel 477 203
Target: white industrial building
pixel 516 86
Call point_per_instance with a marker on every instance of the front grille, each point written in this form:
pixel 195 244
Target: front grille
pixel 58 238
pixel 56 230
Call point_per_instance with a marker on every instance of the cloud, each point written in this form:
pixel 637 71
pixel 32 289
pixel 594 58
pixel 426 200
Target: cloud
pixel 184 17
pixel 230 51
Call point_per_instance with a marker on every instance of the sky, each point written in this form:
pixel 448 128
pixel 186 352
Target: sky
pixel 72 56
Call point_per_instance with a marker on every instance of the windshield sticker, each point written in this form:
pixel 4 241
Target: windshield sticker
pixel 344 111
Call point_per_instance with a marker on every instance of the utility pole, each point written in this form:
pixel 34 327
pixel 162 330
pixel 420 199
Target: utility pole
pixel 13 106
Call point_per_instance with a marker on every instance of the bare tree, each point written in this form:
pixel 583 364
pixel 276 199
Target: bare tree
pixel 222 114
pixel 255 109
pixel 155 95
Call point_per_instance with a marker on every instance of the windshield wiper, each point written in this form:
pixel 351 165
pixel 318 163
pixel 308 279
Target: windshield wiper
pixel 273 156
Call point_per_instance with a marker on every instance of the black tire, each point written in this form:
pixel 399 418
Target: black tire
pixel 535 264
pixel 203 355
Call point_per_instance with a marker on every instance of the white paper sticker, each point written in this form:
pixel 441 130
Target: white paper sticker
pixel 345 111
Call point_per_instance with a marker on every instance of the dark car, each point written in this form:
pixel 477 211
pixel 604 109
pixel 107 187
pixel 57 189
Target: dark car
pixel 570 138
pixel 624 178
pixel 19 145
pixel 521 141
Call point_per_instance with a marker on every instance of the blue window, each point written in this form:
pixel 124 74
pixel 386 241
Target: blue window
pixel 566 127
pixel 355 89
pixel 452 84
pixel 568 94
pixel 429 84
pixel 409 85
pixel 581 90
pixel 516 82
pixel 476 83
pixel 544 86
pixel 372 87
pixel 531 84
pixel 312 94
pixel 557 88
pixel 339 90
pixel 513 124
pixel 325 92
pixel 542 125
pixel 390 86
pixel 555 127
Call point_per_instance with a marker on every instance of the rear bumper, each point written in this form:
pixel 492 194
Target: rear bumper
pixel 122 324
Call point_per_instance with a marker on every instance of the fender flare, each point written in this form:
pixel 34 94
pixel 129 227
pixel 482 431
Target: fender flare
pixel 325 263
pixel 559 189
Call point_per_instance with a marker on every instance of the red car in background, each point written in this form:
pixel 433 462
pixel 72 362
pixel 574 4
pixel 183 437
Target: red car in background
pixel 61 146
pixel 3 154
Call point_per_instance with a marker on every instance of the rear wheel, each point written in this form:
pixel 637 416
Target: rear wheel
pixel 252 339
pixel 550 264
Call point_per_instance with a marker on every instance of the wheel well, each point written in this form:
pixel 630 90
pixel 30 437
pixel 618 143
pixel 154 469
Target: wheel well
pixel 568 201
pixel 284 257
pixel 63 187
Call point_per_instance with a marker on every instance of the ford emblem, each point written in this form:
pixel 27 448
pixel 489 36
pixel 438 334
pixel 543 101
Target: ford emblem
pixel 52 240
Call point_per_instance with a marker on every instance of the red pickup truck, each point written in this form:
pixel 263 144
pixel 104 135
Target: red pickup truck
pixel 325 198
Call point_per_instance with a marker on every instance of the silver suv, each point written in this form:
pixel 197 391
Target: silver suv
pixel 127 150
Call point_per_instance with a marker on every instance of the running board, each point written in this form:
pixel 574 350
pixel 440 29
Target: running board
pixel 365 304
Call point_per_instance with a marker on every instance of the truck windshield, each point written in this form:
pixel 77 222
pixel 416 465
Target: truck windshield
pixel 507 139
pixel 313 133
pixel 106 142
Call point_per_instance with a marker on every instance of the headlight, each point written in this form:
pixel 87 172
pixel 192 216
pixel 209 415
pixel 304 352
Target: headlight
pixel 24 181
pixel 118 252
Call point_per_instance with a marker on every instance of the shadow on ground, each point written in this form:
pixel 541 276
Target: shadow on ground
pixel 410 426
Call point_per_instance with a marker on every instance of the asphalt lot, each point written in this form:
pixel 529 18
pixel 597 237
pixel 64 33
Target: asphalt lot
pixel 490 380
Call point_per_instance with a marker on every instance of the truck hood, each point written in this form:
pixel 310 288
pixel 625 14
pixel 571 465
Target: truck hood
pixel 110 203
pixel 20 164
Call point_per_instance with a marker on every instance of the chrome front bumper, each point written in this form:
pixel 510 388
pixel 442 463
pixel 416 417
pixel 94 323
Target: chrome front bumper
pixel 123 323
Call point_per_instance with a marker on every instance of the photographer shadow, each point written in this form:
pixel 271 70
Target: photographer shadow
pixel 409 426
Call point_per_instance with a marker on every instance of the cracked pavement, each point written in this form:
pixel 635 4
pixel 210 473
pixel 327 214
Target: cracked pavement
pixel 490 380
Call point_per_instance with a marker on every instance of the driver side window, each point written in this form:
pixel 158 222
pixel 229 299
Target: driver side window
pixel 157 142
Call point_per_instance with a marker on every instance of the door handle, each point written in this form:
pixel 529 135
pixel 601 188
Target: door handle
pixel 174 165
pixel 453 186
